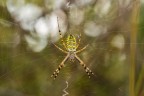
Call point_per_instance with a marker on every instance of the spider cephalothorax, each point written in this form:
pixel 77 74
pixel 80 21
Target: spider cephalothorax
pixel 71 46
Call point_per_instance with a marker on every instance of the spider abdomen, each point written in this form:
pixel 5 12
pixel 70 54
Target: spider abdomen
pixel 71 43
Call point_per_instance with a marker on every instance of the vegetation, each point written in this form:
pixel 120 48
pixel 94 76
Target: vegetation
pixel 113 30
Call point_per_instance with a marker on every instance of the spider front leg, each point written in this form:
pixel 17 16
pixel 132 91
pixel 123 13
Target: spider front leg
pixel 61 35
pixel 79 40
pixel 59 48
pixel 56 72
pixel 88 71
pixel 82 49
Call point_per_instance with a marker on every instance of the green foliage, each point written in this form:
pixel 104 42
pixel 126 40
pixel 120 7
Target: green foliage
pixel 24 72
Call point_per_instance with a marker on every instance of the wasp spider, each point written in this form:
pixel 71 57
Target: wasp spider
pixel 71 50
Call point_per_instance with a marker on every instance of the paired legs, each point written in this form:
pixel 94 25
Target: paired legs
pixel 56 72
pixel 88 71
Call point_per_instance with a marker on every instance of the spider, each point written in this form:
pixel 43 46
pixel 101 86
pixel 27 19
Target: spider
pixel 71 46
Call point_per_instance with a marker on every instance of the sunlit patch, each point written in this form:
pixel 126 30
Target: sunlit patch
pixel 14 5
pixel 124 3
pixel 122 57
pixel 76 15
pixel 42 28
pixel 26 14
pixel 142 1
pixel 103 7
pixel 83 3
pixel 118 41
pixel 39 39
pixel 94 30
pixel 59 3
pixel 34 44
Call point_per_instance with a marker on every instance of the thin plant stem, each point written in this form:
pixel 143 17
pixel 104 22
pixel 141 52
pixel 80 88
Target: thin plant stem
pixel 133 37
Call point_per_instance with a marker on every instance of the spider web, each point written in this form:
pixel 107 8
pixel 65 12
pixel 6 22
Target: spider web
pixel 17 63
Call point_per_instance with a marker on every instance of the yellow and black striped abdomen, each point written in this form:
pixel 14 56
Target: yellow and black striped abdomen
pixel 71 43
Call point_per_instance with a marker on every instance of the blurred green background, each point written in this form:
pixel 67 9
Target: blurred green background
pixel 112 28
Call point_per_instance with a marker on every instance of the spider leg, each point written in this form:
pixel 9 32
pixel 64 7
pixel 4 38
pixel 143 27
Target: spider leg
pixel 82 49
pixel 61 35
pixel 56 72
pixel 59 48
pixel 79 40
pixel 88 71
